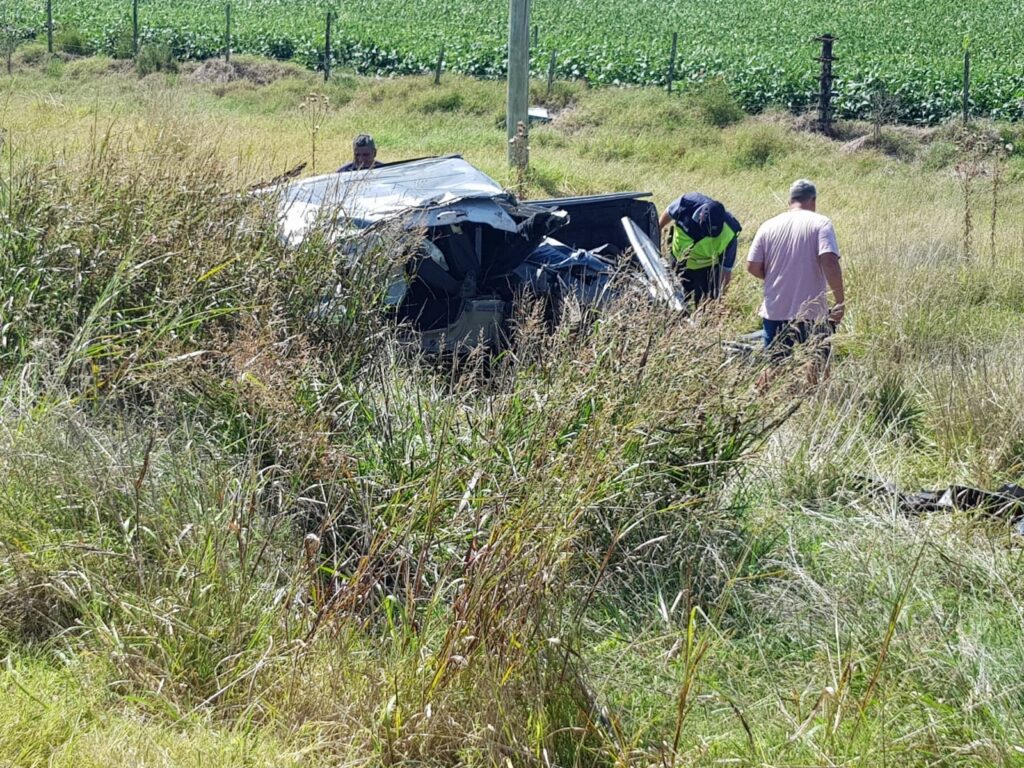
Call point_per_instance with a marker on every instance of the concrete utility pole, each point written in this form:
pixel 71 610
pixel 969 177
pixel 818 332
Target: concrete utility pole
pixel 518 79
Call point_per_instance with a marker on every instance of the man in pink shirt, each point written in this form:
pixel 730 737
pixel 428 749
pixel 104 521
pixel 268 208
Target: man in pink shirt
pixel 797 257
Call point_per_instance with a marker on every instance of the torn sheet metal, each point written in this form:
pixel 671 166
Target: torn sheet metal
pixel 433 192
pixel 662 286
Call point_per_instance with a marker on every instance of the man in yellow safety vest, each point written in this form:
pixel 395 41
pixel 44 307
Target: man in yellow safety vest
pixel 704 236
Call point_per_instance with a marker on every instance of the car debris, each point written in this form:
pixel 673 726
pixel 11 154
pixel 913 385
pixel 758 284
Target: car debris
pixel 539 115
pixel 1003 503
pixel 475 249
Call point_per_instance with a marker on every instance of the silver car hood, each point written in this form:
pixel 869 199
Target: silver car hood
pixel 429 192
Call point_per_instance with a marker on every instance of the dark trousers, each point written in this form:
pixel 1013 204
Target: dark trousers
pixel 700 285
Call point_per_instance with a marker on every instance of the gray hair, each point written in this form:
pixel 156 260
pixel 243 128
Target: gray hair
pixel 801 191
pixel 363 140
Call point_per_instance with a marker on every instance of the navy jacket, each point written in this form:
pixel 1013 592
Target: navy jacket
pixel 700 216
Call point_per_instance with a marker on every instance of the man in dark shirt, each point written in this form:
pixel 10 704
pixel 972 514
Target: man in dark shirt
pixel 703 244
pixel 364 154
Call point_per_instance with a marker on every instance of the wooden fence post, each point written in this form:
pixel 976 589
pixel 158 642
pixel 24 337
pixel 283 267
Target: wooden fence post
pixel 49 26
pixel 227 33
pixel 327 47
pixel 437 67
pixel 825 84
pixel 135 27
pixel 966 103
pixel 536 35
pixel 672 60
pixel 551 69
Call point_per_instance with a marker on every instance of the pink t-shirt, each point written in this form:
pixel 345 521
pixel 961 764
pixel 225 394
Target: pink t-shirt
pixel 789 246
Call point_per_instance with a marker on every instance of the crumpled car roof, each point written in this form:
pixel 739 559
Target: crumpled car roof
pixel 431 191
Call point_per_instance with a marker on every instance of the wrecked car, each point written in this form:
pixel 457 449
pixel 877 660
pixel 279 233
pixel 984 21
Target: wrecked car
pixel 474 248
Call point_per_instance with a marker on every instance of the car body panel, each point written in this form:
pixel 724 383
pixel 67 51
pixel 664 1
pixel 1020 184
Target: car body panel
pixel 475 248
pixel 662 285
pixel 429 192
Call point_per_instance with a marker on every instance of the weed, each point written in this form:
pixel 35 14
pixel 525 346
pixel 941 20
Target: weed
pixel 445 102
pixel 122 45
pixel 894 407
pixel 938 155
pixel 71 41
pixel 759 146
pixel 33 54
pixel 715 103
pixel 315 109
pixel 884 106
pixel 155 57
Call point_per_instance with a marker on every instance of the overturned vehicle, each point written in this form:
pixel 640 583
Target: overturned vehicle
pixel 474 249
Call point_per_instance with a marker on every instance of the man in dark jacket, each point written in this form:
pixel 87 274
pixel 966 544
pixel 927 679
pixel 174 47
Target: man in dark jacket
pixel 364 154
pixel 704 239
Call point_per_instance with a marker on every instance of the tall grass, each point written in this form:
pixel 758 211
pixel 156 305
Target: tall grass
pixel 296 542
pixel 212 490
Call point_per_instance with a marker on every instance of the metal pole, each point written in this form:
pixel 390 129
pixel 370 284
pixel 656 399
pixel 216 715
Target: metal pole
pixel 967 87
pixel 49 26
pixel 518 96
pixel 227 33
pixel 135 27
pixel 327 48
pixel 672 60
pixel 551 70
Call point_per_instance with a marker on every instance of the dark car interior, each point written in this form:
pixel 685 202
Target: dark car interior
pixel 480 259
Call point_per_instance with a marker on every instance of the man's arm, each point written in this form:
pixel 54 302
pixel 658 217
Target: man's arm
pixel 728 262
pixel 666 217
pixel 755 257
pixel 834 277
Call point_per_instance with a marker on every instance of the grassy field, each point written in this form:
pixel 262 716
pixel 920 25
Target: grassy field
pixel 229 537
pixel 765 49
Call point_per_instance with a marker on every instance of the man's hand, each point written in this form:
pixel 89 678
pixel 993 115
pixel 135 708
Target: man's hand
pixel 834 277
pixel 726 277
pixel 835 315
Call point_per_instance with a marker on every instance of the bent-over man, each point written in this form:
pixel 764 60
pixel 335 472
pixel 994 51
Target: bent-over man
pixel 704 240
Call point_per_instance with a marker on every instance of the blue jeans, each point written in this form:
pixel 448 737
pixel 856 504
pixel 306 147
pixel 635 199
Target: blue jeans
pixel 782 336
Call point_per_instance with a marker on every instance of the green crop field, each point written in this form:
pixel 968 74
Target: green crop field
pixel 764 48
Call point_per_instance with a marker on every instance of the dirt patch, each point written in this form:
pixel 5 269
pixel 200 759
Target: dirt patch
pixel 256 72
